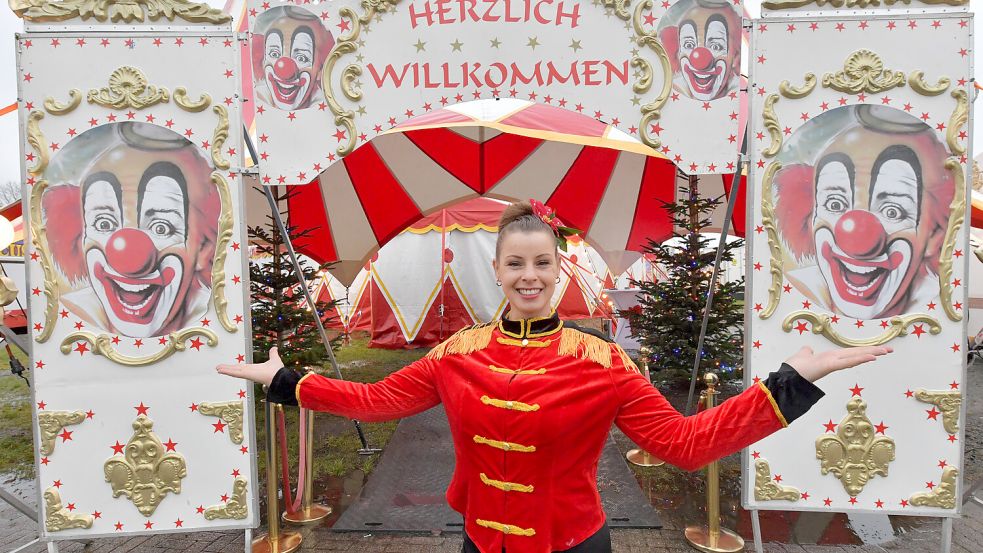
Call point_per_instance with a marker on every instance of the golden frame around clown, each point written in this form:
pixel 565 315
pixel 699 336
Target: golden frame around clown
pixel 878 441
pixel 135 431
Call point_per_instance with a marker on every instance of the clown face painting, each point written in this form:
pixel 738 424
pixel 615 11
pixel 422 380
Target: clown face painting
pixel 137 229
pixel 703 41
pixel 862 204
pixel 289 48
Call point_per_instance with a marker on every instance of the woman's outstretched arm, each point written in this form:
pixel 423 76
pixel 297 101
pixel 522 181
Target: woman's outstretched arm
pixel 405 392
pixel 691 442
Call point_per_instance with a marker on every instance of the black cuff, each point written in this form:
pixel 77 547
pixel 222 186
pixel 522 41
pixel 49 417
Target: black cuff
pixel 793 394
pixel 283 389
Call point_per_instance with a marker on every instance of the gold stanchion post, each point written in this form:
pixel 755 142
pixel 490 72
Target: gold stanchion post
pixel 640 457
pixel 274 541
pixel 711 538
pixel 309 513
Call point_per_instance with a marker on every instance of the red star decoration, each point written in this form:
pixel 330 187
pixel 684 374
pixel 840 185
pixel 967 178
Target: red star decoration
pixel 758 307
pixel 170 445
pixel 863 25
pixel 260 110
pixel 205 322
pixel 884 324
pixel 37 328
pixel 196 343
pixel 131 115
pixel 141 409
pixel 759 229
pixel 830 426
pixel 904 502
pixel 57 484
pixel 81 347
pixel 790 28
pixel 840 26
pixel 824 106
pixel 55 42
pixel 244 450
pixel 932 414
pixel 954 385
pixel 806 304
pixel 72 132
pixel 963 52
pixel 778 478
pixel 178 523
pixel 70 506
pixel 804 116
pixel 200 509
pixel 756 380
pixel 855 391
pixel 116 340
pixel 162 341
pixel 756 344
pixel 951 438
pixel 801 327
pixel 36 291
pixel 240 358
pixel 96 514
pixel 242 393
pixel 79 325
pixel 853 501
pixel 912 24
pixel 193 407
pixel 225 497
pixel 34 256
pixel 918 331
pixel 65 435
pixel 930 485
pixel 138 342
pixel 756 454
pixel 827 502
pixel 237 318
pixel 958 254
pixel 119 526
pixel 89 414
pixel 954 347
pixel 879 504
pixel 42 405
pixel 909 393
pixel 219 427
pixel 235 473
pixel 885 100
pixel 963 23
pixel 761 163
pixel 787 288
pixel 148 525
pixel 206 144
pixel 44 461
pixel 814 26
pixel 862 97
pixel 880 428
pixel 942 463
pixel 859 323
pixel 228 73
pixel 117 448
pixel 235 246
pixel 39 364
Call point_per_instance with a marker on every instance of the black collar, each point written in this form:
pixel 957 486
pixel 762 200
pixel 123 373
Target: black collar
pixel 531 328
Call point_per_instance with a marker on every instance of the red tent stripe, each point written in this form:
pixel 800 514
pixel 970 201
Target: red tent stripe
pixel 506 152
pixel 740 208
pixel 579 194
pixel 307 212
pixel 455 153
pixel 651 221
pixel 388 208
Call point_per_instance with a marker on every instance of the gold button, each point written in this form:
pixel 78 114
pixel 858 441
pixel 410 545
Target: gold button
pixel 505 528
pixel 525 342
pixel 508 404
pixel 506 447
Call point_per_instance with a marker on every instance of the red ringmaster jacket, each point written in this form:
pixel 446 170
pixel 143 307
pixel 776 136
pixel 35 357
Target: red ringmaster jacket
pixel 530 404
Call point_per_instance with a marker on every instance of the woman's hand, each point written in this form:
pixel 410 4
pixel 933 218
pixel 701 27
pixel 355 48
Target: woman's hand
pixel 261 373
pixel 813 366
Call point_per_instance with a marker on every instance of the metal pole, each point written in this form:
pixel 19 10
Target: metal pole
pixel 274 541
pixel 366 450
pixel 640 457
pixel 309 513
pixel 735 187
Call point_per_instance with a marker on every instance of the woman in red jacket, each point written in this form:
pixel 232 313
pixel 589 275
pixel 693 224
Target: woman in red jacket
pixel 530 400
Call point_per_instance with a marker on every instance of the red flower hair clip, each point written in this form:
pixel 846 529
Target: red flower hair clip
pixel 548 216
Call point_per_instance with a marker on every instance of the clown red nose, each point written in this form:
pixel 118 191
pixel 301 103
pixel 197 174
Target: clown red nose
pixel 285 68
pixel 860 234
pixel 131 252
pixel 701 58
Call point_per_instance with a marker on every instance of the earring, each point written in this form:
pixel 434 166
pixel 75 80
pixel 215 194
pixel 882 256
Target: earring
pixel 558 279
pixel 498 283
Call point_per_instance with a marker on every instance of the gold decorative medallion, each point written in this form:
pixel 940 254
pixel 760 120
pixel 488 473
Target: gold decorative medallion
pixel 863 71
pixel 855 454
pixel 942 496
pixel 822 324
pixel 39 239
pixel 128 88
pixel 957 120
pixel 145 472
pixel 917 82
pixel 219 136
pixel 767 490
pixel 37 141
pixel 652 110
pixel 228 411
pixel 796 92
pixel 235 508
pixel 957 215
pixel 103 345
pixel 772 126
pixel 58 518
pixel 51 423
pixel 948 401
pixel 774 244
pixel 225 222
pixel 620 7
pixel 55 107
pixel 125 11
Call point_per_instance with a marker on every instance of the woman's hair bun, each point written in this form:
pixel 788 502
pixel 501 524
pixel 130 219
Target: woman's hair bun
pixel 513 212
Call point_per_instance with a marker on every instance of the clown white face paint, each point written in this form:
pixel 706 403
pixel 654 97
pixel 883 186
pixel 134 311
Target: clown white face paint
pixel 288 67
pixel 704 65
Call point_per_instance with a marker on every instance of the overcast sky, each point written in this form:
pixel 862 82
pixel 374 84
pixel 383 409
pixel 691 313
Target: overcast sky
pixel 10 24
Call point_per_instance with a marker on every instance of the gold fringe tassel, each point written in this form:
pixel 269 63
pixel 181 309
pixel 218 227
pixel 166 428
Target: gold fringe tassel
pixel 585 346
pixel 629 364
pixel 465 341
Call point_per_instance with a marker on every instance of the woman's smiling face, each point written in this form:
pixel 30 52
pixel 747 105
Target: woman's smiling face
pixel 528 266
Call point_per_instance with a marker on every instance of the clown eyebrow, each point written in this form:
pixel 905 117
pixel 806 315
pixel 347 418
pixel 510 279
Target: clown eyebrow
pixel 905 154
pixel 108 177
pixel 716 17
pixel 164 169
pixel 842 158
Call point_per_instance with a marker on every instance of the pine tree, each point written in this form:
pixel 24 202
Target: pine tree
pixel 280 316
pixel 671 310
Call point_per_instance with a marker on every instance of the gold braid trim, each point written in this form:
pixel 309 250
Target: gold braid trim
pixel 505 486
pixel 505 528
pixel 505 446
pixel 524 343
pixel 510 405
pixel 464 341
pixel 513 371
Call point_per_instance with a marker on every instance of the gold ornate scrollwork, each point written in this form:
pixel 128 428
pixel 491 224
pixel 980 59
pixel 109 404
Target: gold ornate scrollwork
pixel 40 240
pixel 863 71
pixel 346 44
pixel 37 141
pixel 620 7
pixel 51 423
pixel 917 82
pixel 55 107
pixel 942 496
pixel 218 263
pixel 957 215
pixel 652 110
pixel 957 121
pixel 228 411
pixel 644 82
pixel 855 454
pixel 948 402
pixel 822 325
pixel 58 518
pixel 766 490
pixel 146 472
pixel 796 92
pixel 128 88
pixel 125 11
pixel 774 244
pixel 219 136
pixel 187 104
pixel 772 126
pixel 103 345
pixel 235 508
pixel 349 76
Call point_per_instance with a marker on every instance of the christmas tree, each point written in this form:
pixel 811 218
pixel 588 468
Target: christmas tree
pixel 671 310
pixel 280 315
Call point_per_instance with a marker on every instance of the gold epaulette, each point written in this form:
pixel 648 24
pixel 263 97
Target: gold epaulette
pixel 464 341
pixel 587 346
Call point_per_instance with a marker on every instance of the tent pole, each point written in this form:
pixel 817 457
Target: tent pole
pixel 735 188
pixel 443 268
pixel 365 450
